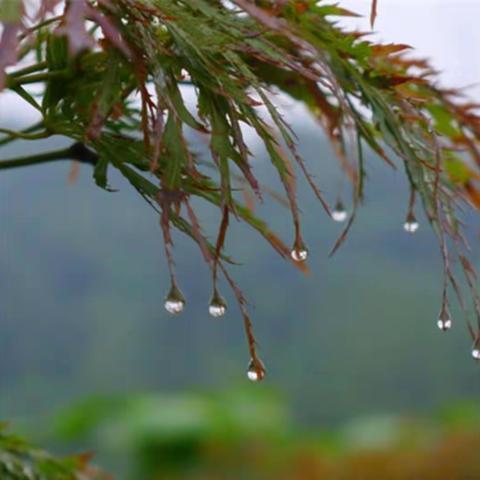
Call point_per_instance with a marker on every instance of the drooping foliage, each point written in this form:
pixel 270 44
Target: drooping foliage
pixel 112 77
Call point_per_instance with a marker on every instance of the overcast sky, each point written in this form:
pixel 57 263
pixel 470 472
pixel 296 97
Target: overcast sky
pixel 443 30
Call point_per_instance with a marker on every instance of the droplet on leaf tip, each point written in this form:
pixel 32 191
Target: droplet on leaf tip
pixel 299 253
pixel 444 325
pixel 411 227
pixel 217 310
pixel 444 321
pixel 476 353
pixel 411 224
pixel 174 306
pixel 256 370
pixel 339 214
pixel 175 301
pixel 217 306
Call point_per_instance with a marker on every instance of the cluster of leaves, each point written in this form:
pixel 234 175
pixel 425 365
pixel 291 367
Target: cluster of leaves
pixel 21 461
pixel 112 74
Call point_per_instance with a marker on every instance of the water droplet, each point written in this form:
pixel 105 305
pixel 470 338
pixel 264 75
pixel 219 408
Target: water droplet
pixel 299 252
pixel 174 306
pixel 299 255
pixel 411 227
pixel 411 224
pixel 175 301
pixel 444 325
pixel 217 306
pixel 256 370
pixel 444 321
pixel 217 310
pixel 339 213
pixel 476 353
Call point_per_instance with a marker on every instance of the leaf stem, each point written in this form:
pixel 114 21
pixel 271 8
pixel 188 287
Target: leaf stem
pixel 42 24
pixel 35 159
pixel 35 78
pixel 30 69
pixel 24 135
pixel 16 136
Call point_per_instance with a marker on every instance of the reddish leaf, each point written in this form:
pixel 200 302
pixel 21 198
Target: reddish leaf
pixel 73 27
pixel 389 48
pixel 8 49
pixel 110 31
pixel 373 13
pixel 343 236
pixel 347 13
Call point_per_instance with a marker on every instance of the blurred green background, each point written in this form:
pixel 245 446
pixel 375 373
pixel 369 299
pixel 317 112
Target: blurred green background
pixel 353 354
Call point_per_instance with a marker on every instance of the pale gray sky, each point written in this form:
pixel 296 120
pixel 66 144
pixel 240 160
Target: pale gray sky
pixel 444 30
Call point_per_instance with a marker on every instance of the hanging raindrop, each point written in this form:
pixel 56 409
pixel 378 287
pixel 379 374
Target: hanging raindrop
pixel 217 306
pixel 411 224
pixel 299 251
pixel 217 310
pixel 476 353
pixel 444 325
pixel 299 254
pixel 175 301
pixel 339 214
pixel 256 370
pixel 444 321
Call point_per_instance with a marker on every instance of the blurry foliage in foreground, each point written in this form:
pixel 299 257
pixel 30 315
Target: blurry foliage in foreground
pixel 21 461
pixel 243 435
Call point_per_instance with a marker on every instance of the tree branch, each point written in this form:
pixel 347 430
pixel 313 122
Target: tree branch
pixel 78 151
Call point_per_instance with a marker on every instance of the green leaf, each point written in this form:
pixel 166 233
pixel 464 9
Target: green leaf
pixel 100 172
